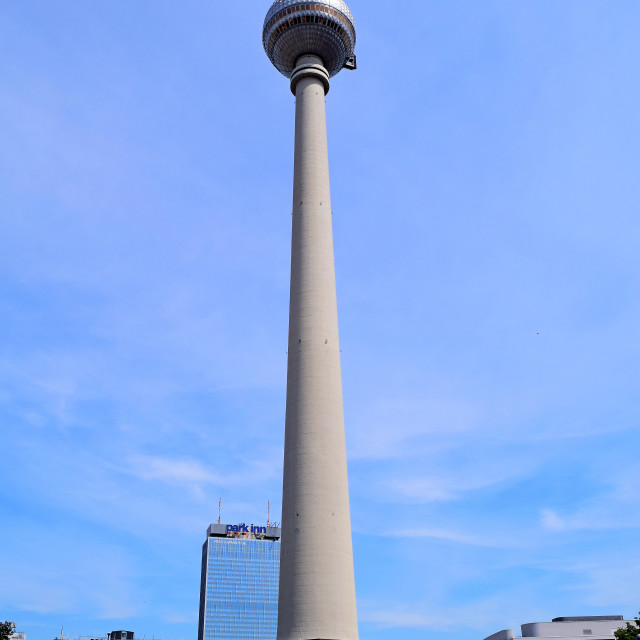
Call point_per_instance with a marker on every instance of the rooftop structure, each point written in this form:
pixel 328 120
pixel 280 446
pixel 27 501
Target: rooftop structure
pixel 111 635
pixel 567 628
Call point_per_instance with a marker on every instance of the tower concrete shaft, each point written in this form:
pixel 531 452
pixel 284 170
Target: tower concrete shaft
pixel 317 591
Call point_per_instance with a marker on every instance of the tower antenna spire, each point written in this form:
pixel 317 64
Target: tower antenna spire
pixel 268 513
pixel 219 509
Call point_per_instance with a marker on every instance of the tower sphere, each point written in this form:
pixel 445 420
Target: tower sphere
pixel 325 29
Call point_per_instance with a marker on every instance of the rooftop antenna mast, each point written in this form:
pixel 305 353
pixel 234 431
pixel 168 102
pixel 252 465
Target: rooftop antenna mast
pixel 268 513
pixel 219 509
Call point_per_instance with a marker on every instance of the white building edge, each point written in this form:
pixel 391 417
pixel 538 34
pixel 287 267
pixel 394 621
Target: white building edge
pixel 568 628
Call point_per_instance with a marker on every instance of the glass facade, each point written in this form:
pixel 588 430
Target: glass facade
pixel 239 589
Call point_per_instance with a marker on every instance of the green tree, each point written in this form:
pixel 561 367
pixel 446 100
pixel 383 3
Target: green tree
pixel 630 631
pixel 6 629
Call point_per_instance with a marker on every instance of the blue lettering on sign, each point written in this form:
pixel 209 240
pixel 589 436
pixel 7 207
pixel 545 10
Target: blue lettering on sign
pixel 243 528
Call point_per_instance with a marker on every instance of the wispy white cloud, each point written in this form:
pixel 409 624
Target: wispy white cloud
pixel 450 536
pixel 479 614
pixel 450 472
pixel 77 577
pixel 446 485
pixel 181 618
pixel 173 471
pixel 612 584
pixel 396 426
pixel 395 619
pixel 616 506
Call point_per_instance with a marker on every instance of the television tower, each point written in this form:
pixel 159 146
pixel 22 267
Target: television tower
pixel 309 43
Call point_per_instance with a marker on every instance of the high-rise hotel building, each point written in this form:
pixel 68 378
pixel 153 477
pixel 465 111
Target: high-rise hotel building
pixel 239 583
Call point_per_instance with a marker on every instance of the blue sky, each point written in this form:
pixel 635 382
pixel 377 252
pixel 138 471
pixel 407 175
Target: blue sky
pixel 485 190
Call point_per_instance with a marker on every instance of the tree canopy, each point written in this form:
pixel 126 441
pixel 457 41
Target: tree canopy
pixel 630 631
pixel 6 629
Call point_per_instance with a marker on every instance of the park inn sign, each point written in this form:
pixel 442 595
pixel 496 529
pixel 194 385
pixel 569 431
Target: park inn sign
pixel 243 528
